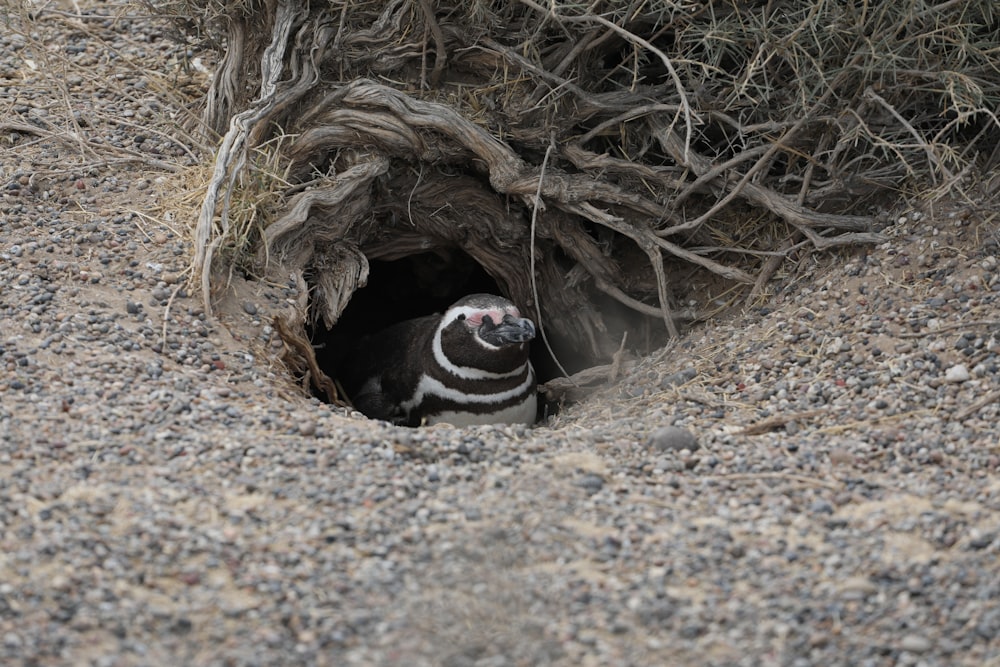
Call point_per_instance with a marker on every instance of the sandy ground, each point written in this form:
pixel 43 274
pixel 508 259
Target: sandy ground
pixel 168 496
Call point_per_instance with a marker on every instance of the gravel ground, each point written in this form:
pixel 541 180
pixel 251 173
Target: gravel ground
pixel 811 483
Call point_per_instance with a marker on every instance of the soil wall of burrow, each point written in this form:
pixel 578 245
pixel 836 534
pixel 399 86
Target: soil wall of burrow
pixel 380 242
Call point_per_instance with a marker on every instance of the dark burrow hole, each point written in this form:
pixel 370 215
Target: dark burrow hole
pixel 419 285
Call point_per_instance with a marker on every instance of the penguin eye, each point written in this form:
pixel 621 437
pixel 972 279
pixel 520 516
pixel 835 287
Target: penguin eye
pixel 461 317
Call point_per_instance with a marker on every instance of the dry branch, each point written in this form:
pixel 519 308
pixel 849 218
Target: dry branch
pixel 795 214
pixel 677 140
pixel 232 155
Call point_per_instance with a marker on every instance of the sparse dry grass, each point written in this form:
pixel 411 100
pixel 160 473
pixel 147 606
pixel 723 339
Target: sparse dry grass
pixel 65 83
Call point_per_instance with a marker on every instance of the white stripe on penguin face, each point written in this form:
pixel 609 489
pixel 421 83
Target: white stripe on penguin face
pixel 466 372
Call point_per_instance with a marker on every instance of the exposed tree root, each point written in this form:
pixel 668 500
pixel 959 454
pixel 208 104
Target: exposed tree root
pixel 363 132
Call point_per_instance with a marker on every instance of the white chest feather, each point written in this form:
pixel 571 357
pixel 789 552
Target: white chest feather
pixel 484 408
pixel 520 413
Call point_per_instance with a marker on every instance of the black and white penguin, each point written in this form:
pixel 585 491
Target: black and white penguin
pixel 468 366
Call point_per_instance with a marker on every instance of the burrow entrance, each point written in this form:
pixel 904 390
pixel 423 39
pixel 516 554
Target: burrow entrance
pixel 386 243
pixel 429 282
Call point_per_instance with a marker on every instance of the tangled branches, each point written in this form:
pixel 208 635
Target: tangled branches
pixel 708 137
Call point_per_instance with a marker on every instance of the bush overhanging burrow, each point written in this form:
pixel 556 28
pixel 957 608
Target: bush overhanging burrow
pixel 607 164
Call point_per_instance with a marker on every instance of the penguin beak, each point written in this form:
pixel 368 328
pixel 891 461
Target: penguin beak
pixel 510 330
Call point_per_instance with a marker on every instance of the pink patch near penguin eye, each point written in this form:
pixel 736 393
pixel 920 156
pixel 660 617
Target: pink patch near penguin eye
pixel 476 319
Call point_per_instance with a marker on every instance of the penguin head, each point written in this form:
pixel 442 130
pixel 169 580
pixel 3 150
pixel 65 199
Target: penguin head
pixel 491 320
pixel 484 331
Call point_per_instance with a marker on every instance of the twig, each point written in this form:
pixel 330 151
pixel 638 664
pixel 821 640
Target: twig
pixel 685 106
pixel 629 114
pixel 292 337
pixel 771 266
pixel 719 170
pixel 441 53
pixel 730 272
pixel 28 128
pixel 642 237
pixel 73 140
pixel 625 299
pixel 648 243
pixel 869 422
pixel 937 9
pixel 578 48
pixel 789 244
pixel 736 250
pixel 617 359
pixel 931 157
pixel 531 248
pixel 597 374
pixel 589 259
pixel 791 477
pixel 949 327
pixel 796 215
pixel 232 154
pixel 557 81
pixel 777 422
pixel 970 410
pixel 584 159
pixel 583 383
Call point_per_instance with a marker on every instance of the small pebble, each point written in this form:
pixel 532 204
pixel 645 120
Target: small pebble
pixel 672 438
pixel 956 374
pixel 679 378
pixel 915 643
pixel 858 587
pixel 591 483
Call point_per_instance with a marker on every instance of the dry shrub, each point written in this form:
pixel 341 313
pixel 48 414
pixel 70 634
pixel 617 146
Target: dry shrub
pixel 638 154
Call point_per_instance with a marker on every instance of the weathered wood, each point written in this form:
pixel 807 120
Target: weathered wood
pixel 393 130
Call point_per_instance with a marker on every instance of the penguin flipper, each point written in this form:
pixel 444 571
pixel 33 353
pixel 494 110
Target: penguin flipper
pixel 373 402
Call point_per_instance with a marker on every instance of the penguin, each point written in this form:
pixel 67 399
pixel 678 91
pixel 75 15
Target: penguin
pixel 468 366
